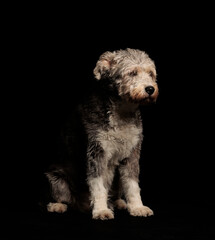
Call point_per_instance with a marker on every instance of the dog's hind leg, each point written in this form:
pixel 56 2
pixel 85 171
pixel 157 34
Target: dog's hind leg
pixel 60 192
pixel 117 192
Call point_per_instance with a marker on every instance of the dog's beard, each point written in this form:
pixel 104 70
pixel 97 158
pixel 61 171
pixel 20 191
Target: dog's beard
pixel 147 101
pixel 144 100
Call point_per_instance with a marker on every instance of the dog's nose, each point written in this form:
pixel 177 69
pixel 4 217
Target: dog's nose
pixel 150 90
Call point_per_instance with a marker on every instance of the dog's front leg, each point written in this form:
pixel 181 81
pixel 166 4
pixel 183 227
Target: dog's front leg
pixel 129 173
pixel 99 180
pixel 99 198
pixel 134 202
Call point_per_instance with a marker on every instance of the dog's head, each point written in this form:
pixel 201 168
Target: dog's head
pixel 132 73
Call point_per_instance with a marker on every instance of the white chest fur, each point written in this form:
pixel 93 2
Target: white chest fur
pixel 119 140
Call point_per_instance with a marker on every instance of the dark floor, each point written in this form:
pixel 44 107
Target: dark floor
pixel 173 221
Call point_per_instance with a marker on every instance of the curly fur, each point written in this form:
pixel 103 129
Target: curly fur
pixel 99 166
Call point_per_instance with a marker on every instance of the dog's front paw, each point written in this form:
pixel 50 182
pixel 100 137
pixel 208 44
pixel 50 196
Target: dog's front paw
pixel 103 214
pixel 141 211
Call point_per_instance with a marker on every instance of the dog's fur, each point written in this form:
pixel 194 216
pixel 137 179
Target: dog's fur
pixel 102 140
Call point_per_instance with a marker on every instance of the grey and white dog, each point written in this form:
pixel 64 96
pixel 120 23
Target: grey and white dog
pixel 102 140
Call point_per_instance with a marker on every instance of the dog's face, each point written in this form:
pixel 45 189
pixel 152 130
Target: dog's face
pixel 132 72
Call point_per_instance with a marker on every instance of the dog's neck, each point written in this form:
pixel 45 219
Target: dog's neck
pixel 123 107
pixel 110 94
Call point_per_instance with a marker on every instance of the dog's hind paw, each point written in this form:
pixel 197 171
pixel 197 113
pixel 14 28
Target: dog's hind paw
pixel 57 207
pixel 120 204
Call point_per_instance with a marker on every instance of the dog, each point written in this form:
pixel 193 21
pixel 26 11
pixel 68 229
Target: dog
pixel 101 142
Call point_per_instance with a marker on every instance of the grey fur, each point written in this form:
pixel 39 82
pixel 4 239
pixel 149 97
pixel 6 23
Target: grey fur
pixel 102 139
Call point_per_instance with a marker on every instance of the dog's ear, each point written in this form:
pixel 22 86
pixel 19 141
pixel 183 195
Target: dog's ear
pixel 104 64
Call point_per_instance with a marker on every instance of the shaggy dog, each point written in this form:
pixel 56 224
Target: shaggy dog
pixel 99 167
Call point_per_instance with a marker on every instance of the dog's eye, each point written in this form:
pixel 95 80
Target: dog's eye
pixel 133 73
pixel 151 74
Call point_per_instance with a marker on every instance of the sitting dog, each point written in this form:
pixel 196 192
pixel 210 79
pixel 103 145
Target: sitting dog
pixel 99 167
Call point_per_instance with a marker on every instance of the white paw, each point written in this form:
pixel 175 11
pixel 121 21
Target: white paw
pixel 120 204
pixel 141 211
pixel 57 207
pixel 103 214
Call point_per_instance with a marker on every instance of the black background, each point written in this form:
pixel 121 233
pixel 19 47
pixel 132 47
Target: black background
pixel 47 66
